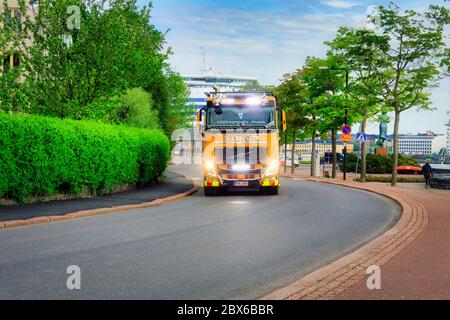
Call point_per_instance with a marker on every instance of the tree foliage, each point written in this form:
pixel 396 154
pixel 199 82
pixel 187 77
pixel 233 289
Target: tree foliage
pixel 256 86
pixel 397 65
pixel 65 69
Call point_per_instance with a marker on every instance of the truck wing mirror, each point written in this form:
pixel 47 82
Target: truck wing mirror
pixel 219 110
pixel 283 121
pixel 199 116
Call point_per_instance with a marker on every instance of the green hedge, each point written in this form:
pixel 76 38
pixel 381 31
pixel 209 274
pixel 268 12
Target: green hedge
pixel 412 179
pixel 376 163
pixel 42 156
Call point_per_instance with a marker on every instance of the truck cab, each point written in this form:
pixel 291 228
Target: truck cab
pixel 241 133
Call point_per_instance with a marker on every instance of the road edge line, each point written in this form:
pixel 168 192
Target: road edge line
pixel 341 274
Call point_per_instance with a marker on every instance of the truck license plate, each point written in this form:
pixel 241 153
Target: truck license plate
pixel 241 183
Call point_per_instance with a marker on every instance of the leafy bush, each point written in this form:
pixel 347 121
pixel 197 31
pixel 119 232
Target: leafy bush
pixel 412 179
pixel 41 156
pixel 404 160
pixel 376 163
pixel 137 110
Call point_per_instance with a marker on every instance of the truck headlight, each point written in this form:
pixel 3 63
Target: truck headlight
pixel 210 168
pixel 272 168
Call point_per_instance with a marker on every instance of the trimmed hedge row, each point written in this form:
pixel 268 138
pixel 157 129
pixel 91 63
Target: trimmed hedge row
pixel 376 163
pixel 42 156
pixel 412 179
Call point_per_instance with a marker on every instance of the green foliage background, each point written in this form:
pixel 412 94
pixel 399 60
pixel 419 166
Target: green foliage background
pixel 41 156
pixel 377 164
pixel 83 73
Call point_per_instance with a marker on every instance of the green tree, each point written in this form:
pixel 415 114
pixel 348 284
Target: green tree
pixel 256 86
pixel 411 51
pixel 360 49
pixel 292 97
pixel 65 68
pixel 180 113
pixel 325 80
pixel 137 109
pixel 330 84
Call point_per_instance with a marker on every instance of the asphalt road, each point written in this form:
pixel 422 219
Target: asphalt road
pixel 231 247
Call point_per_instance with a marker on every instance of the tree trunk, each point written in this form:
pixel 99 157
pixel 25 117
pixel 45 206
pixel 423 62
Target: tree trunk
pixel 334 147
pixel 285 152
pixel 294 137
pixel 313 154
pixel 395 149
pixel 363 152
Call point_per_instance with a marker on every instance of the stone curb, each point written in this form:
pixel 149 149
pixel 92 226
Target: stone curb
pixel 336 277
pixel 95 212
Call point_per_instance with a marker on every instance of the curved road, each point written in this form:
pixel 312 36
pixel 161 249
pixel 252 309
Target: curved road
pixel 230 247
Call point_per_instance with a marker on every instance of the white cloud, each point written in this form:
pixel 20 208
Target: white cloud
pixel 266 46
pixel 245 43
pixel 340 4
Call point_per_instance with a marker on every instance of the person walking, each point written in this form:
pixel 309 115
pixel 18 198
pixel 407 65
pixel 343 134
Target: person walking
pixel 427 172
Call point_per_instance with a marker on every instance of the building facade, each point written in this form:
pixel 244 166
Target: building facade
pixel 303 149
pixel 200 85
pixel 13 15
pixel 421 144
pixel 448 135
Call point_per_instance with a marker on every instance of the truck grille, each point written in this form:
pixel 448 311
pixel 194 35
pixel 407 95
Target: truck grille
pixel 252 156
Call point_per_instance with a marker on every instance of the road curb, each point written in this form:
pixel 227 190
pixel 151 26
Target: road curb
pixel 334 278
pixel 96 212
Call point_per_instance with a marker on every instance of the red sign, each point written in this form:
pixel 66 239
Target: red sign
pixel 346 129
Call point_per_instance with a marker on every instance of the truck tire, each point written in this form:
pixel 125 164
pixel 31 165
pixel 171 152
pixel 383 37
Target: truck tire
pixel 211 192
pixel 273 191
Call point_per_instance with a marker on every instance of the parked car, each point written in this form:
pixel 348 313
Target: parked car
pixel 409 170
pixel 440 181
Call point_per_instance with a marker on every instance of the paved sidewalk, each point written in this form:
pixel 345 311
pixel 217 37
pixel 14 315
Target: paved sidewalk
pixel 421 270
pixel 172 185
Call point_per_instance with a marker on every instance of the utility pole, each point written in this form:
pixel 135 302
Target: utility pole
pixel 285 144
pixel 346 121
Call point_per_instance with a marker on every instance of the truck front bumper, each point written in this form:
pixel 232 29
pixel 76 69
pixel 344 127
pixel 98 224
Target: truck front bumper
pixel 236 184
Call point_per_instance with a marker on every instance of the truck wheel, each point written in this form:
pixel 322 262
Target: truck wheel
pixel 210 192
pixel 270 190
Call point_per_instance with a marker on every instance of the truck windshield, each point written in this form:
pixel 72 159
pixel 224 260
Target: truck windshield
pixel 242 117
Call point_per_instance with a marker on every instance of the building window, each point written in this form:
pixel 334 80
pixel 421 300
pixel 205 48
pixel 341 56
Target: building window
pixel 6 63
pixel 18 21
pixel 10 61
pixel 15 60
pixel 14 12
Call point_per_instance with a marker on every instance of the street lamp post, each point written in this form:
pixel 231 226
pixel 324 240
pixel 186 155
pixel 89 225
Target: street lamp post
pixel 346 121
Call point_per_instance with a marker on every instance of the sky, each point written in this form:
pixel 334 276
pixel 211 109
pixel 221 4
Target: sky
pixel 268 38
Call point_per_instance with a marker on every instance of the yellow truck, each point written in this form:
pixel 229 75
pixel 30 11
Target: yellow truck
pixel 241 134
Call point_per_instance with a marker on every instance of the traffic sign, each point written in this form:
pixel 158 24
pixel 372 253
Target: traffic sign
pixel 346 138
pixel 361 137
pixel 346 129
